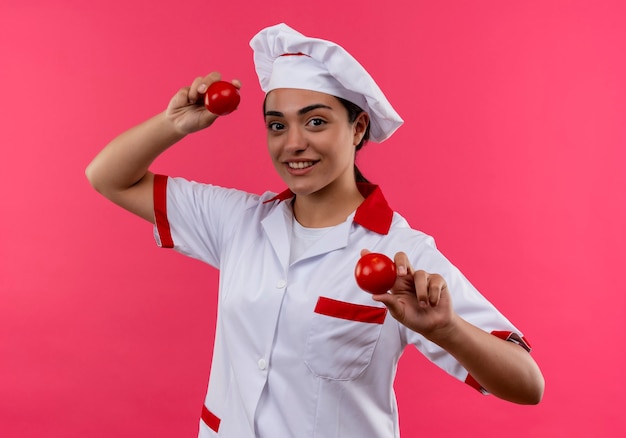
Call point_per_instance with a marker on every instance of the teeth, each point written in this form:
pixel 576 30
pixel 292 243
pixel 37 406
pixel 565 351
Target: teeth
pixel 300 165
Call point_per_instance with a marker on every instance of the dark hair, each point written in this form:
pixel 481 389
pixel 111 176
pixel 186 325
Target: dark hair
pixel 353 112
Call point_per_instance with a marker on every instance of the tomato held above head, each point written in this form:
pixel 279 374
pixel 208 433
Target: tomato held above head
pixel 375 273
pixel 221 98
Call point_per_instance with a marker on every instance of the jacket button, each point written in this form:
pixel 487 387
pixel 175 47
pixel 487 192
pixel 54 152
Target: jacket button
pixel 281 284
pixel 262 364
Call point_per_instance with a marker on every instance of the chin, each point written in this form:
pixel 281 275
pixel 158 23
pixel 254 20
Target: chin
pixel 303 189
pixel 300 191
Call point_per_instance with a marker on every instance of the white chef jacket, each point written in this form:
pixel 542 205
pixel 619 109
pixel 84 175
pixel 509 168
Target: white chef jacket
pixel 300 350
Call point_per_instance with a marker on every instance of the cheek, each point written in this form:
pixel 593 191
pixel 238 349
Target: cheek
pixel 272 147
pixel 348 153
pixel 273 150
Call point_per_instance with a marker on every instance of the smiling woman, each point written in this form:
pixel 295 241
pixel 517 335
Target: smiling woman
pixel 354 111
pixel 312 144
pixel 301 350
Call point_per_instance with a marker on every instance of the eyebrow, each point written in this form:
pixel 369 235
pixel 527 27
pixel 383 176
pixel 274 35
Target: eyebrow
pixel 301 111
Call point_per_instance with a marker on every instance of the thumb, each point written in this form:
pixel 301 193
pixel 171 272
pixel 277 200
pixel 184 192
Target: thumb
pixel 392 303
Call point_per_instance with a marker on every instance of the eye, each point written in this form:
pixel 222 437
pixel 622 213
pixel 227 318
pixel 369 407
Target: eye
pixel 316 122
pixel 275 126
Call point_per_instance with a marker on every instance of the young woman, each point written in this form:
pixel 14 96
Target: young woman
pixel 300 350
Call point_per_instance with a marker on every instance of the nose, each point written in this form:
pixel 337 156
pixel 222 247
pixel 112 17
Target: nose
pixel 296 140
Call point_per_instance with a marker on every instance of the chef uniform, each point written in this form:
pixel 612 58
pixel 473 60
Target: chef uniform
pixel 300 350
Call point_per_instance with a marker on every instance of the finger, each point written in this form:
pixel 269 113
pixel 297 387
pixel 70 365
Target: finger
pixel 403 265
pixel 201 84
pixel 214 76
pixel 236 83
pixel 420 278
pixel 392 303
pixel 194 92
pixel 365 251
pixel 180 99
pixel 208 80
pixel 436 286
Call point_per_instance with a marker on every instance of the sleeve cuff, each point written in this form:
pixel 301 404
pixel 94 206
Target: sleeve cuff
pixel 160 212
pixel 513 337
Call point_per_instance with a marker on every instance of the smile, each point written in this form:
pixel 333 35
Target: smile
pixel 300 164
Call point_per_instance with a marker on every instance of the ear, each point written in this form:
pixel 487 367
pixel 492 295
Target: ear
pixel 360 126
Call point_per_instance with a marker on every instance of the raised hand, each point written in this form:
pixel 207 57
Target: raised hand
pixel 186 109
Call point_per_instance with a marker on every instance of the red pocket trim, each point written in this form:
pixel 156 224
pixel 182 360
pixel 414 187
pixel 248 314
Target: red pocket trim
pixel 160 211
pixel 350 311
pixel 210 419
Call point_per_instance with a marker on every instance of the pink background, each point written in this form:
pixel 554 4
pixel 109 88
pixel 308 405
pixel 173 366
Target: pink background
pixel 512 156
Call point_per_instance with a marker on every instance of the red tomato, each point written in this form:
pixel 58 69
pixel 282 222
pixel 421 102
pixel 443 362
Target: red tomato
pixel 221 98
pixel 375 273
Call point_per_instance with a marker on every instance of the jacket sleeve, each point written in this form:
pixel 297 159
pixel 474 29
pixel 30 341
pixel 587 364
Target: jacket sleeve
pixel 196 219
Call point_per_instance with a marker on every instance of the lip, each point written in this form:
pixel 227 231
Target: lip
pixel 297 170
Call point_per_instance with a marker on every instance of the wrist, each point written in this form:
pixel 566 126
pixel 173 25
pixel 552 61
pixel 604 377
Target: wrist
pixel 448 334
pixel 169 127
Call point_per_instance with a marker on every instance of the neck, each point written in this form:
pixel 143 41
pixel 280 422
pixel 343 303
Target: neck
pixel 319 210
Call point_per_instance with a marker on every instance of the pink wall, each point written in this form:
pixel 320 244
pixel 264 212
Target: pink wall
pixel 512 156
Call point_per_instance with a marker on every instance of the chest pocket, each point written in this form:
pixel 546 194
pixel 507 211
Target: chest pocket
pixel 342 338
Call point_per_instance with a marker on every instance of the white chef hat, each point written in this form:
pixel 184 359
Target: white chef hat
pixel 284 58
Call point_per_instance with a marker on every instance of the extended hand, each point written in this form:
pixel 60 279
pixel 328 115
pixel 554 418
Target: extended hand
pixel 419 300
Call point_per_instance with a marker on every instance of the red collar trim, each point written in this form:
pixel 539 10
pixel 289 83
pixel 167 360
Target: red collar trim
pixel 374 213
pixel 282 196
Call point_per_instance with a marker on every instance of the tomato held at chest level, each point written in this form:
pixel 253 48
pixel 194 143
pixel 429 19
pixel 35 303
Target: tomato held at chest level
pixel 375 273
pixel 222 98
